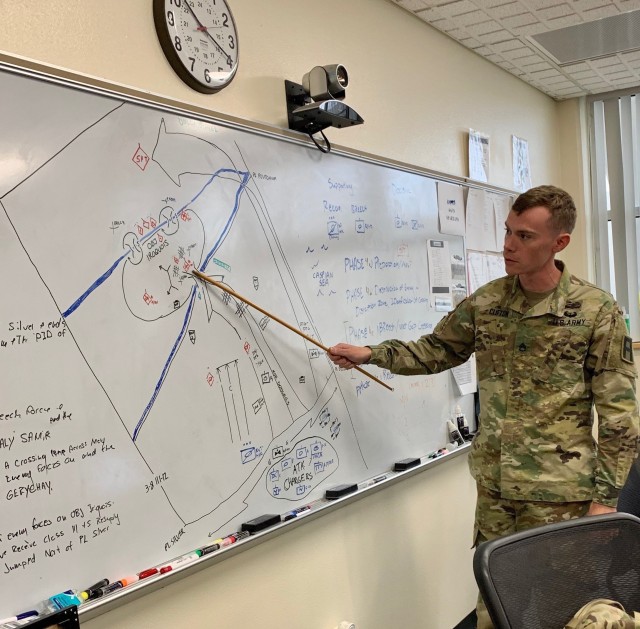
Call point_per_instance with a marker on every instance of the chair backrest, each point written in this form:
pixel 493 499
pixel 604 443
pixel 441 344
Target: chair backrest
pixel 539 578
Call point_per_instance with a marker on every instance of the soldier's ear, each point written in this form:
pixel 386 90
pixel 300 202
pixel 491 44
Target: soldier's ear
pixel 561 241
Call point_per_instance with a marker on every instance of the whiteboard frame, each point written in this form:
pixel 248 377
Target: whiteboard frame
pixel 59 76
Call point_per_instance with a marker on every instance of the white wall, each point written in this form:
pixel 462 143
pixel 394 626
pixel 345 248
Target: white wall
pixel 400 557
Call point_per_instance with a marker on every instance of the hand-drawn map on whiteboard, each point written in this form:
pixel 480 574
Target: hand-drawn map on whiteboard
pixel 144 413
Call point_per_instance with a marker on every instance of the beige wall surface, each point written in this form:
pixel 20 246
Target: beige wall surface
pixel 401 557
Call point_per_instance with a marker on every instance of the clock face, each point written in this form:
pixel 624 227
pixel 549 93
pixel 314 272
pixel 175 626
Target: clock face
pixel 200 40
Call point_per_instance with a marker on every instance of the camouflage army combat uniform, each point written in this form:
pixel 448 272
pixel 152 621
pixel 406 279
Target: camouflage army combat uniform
pixel 540 372
pixel 603 614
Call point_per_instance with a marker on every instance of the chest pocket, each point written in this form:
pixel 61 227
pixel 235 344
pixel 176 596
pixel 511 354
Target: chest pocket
pixel 559 360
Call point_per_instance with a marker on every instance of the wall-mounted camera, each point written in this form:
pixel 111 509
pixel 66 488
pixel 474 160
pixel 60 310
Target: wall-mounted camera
pixel 315 104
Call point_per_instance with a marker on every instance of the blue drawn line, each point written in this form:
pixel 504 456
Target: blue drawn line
pixel 93 286
pixel 167 364
pixel 227 227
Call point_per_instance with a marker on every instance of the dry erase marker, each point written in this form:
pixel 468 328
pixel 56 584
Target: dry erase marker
pixel 147 573
pixel 84 595
pixel 206 550
pixel 21 616
pixel 372 481
pixel 294 513
pixel 238 535
pixel 196 554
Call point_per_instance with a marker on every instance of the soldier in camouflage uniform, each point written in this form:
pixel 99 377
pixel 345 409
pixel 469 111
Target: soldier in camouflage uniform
pixel 549 347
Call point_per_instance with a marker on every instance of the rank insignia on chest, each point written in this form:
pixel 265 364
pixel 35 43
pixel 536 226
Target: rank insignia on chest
pixel 627 349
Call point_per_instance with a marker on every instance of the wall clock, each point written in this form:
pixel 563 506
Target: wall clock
pixel 200 40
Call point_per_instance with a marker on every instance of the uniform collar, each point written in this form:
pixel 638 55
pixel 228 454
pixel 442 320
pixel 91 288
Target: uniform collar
pixel 552 304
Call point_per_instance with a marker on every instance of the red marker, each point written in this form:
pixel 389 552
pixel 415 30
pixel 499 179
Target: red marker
pixel 147 573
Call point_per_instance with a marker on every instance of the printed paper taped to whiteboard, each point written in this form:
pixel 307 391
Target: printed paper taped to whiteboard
pixel 440 274
pixel 451 209
pixel 480 221
pixel 465 376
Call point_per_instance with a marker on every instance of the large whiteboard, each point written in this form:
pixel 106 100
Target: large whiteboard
pixel 143 414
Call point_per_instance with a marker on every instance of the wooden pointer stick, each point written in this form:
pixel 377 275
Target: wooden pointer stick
pixel 226 289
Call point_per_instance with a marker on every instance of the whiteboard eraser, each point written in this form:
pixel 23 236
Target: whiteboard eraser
pixel 261 522
pixel 340 490
pixel 405 464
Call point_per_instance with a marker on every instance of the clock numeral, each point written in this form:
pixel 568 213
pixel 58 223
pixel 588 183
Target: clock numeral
pixel 170 18
pixel 193 62
pixel 207 77
pixel 225 19
pixel 178 3
pixel 220 69
pixel 177 43
pixel 229 62
pixel 232 43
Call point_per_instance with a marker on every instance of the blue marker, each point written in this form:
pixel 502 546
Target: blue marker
pixel 21 616
pixel 294 513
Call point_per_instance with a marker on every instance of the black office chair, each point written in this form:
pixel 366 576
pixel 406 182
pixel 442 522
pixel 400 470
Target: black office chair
pixel 539 578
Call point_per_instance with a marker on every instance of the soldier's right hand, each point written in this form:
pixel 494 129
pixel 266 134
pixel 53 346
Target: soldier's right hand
pixel 348 356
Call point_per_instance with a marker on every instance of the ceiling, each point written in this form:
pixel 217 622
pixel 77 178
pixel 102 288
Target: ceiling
pixel 599 51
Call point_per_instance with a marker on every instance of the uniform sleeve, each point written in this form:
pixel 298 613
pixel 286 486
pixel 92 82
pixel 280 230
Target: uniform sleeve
pixel 614 386
pixel 450 344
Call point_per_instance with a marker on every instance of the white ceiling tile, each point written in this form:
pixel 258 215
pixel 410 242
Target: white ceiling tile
pixel 484 51
pixel 564 21
pixel 496 36
pixel 605 62
pixel 459 7
pixel 445 25
pixel 584 74
pixel 412 5
pixel 507 10
pixel 507 65
pixel 600 12
pixel 630 56
pixel 473 17
pixel 621 75
pixel 545 74
pixel 558 81
pixel 530 29
pixel 554 12
pixel 576 67
pixel 628 5
pixel 506 46
pixel 569 91
pixel 588 5
pixel 471 42
pixel 592 82
pixel 518 21
pixel 542 4
pixel 538 66
pixel 524 56
pixel 490 26
pixel 431 15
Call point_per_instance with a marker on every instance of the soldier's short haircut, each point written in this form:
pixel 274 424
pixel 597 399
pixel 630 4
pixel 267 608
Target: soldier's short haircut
pixel 557 201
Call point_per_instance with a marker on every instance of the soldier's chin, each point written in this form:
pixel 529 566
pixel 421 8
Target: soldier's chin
pixel 509 268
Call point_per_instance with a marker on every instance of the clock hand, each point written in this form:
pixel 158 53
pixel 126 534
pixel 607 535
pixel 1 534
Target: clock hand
pixel 202 27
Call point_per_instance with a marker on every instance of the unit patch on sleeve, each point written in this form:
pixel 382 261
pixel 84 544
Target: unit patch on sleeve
pixel 627 350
